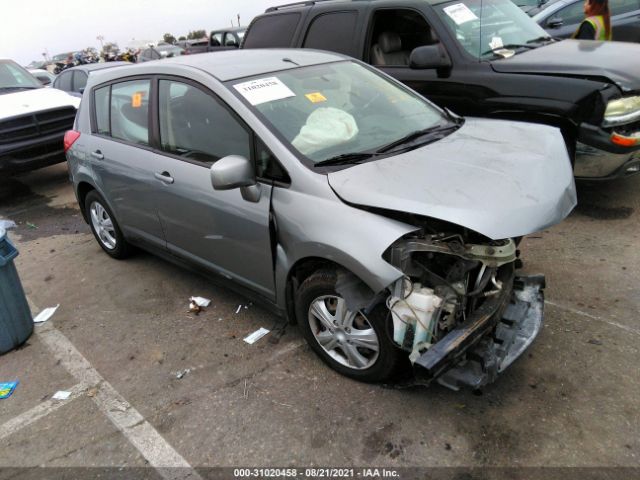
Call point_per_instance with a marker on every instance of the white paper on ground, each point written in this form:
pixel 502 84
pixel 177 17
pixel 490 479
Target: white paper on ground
pixel 460 13
pixel 45 314
pixel 255 336
pixel 264 90
pixel 61 395
pixel 200 301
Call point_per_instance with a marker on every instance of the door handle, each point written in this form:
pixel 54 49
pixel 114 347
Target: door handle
pixel 164 177
pixel 97 154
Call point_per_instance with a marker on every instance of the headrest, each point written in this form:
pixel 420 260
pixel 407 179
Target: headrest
pixel 389 42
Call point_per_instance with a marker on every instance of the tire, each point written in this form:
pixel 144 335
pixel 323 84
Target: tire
pixel 350 346
pixel 105 228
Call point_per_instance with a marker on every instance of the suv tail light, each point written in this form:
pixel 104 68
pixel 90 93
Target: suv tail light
pixel 70 138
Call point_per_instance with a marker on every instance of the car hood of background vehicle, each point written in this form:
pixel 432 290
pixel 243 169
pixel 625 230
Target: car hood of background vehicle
pixel 584 58
pixel 30 101
pixel 501 179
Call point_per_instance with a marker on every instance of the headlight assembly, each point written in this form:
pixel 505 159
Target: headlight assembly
pixel 622 111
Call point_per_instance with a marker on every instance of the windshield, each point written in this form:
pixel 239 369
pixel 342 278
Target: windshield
pixel 13 76
pixel 329 110
pixel 503 24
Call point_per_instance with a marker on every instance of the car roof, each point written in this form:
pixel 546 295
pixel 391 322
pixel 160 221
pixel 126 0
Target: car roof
pixel 311 3
pixel 231 64
pixel 92 67
pixel 231 29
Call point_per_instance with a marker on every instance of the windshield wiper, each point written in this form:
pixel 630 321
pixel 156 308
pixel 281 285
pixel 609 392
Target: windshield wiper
pixel 415 135
pixel 508 47
pixel 345 159
pixel 18 87
pixel 544 38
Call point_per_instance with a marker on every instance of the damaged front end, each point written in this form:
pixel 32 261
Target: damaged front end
pixel 460 311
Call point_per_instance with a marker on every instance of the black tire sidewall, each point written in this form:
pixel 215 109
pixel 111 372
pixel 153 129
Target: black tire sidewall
pixel 323 283
pixel 122 248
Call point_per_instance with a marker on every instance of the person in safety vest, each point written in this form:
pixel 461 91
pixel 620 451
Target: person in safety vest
pixel 597 25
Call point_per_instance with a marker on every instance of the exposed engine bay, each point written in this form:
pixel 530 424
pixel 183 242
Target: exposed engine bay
pixel 460 311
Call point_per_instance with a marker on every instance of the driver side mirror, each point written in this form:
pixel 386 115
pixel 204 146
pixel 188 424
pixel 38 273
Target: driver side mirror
pixel 555 22
pixel 235 171
pixel 429 56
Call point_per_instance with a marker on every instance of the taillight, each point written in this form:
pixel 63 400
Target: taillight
pixel 70 138
pixel 625 141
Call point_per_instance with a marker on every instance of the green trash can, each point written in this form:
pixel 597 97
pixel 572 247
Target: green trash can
pixel 16 323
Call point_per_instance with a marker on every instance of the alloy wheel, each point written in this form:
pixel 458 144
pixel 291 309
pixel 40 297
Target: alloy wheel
pixel 103 225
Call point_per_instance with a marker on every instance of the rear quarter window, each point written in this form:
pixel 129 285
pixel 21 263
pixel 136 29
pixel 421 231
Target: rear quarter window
pixel 342 26
pixel 101 102
pixel 272 31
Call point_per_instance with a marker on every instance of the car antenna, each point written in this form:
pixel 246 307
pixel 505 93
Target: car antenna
pixel 290 61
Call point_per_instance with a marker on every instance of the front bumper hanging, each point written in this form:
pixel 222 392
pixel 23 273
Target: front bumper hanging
pixel 474 354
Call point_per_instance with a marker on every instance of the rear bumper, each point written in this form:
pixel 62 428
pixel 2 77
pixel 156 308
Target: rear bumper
pixel 474 354
pixel 32 154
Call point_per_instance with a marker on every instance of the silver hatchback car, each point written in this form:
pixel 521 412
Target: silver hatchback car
pixel 381 224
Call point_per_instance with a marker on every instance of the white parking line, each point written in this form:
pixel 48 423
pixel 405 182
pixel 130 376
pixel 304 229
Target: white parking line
pixel 593 317
pixel 36 413
pixel 153 447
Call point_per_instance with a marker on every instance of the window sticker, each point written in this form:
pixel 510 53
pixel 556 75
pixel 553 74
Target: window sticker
pixel 460 13
pixel 496 42
pixel 136 100
pixel 264 90
pixel 316 97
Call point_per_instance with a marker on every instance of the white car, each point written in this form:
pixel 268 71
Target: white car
pixel 33 120
pixel 46 78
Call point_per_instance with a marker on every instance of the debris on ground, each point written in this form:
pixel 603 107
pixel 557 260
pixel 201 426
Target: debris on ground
pixel 32 226
pixel 595 341
pixel 92 392
pixel 196 304
pixel 255 336
pixel 7 388
pixel 61 395
pixel 7 224
pixel 182 373
pixel 245 395
pixel 45 314
pixel 239 308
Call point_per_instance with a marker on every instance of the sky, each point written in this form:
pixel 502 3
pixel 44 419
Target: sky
pixel 28 27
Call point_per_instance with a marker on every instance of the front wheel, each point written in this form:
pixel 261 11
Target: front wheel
pixel 354 344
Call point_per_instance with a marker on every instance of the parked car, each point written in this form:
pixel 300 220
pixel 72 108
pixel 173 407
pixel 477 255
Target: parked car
pixel 159 52
pixel 44 77
pixel 333 194
pixel 74 80
pixel 561 18
pixel 503 66
pixel 223 39
pixel 33 120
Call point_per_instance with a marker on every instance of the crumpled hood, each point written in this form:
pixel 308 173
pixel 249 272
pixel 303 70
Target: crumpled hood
pixel 501 179
pixel 615 61
pixel 30 101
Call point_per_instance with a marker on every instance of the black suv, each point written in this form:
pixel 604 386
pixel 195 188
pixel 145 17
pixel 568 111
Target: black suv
pixel 483 58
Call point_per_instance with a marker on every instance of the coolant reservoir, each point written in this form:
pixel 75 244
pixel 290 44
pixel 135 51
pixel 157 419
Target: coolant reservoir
pixel 416 310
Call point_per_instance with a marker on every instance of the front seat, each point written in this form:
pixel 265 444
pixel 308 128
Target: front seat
pixel 388 50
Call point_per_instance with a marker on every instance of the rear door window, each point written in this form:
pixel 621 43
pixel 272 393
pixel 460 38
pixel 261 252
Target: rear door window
pixel 197 126
pixel 63 82
pixel 101 103
pixel 342 26
pixel 130 111
pixel 620 7
pixel 79 80
pixel 273 31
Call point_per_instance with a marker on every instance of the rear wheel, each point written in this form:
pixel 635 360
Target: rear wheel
pixel 105 228
pixel 353 343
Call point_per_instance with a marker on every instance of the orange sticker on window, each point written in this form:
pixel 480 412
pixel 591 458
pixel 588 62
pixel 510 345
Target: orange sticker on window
pixel 136 100
pixel 316 97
